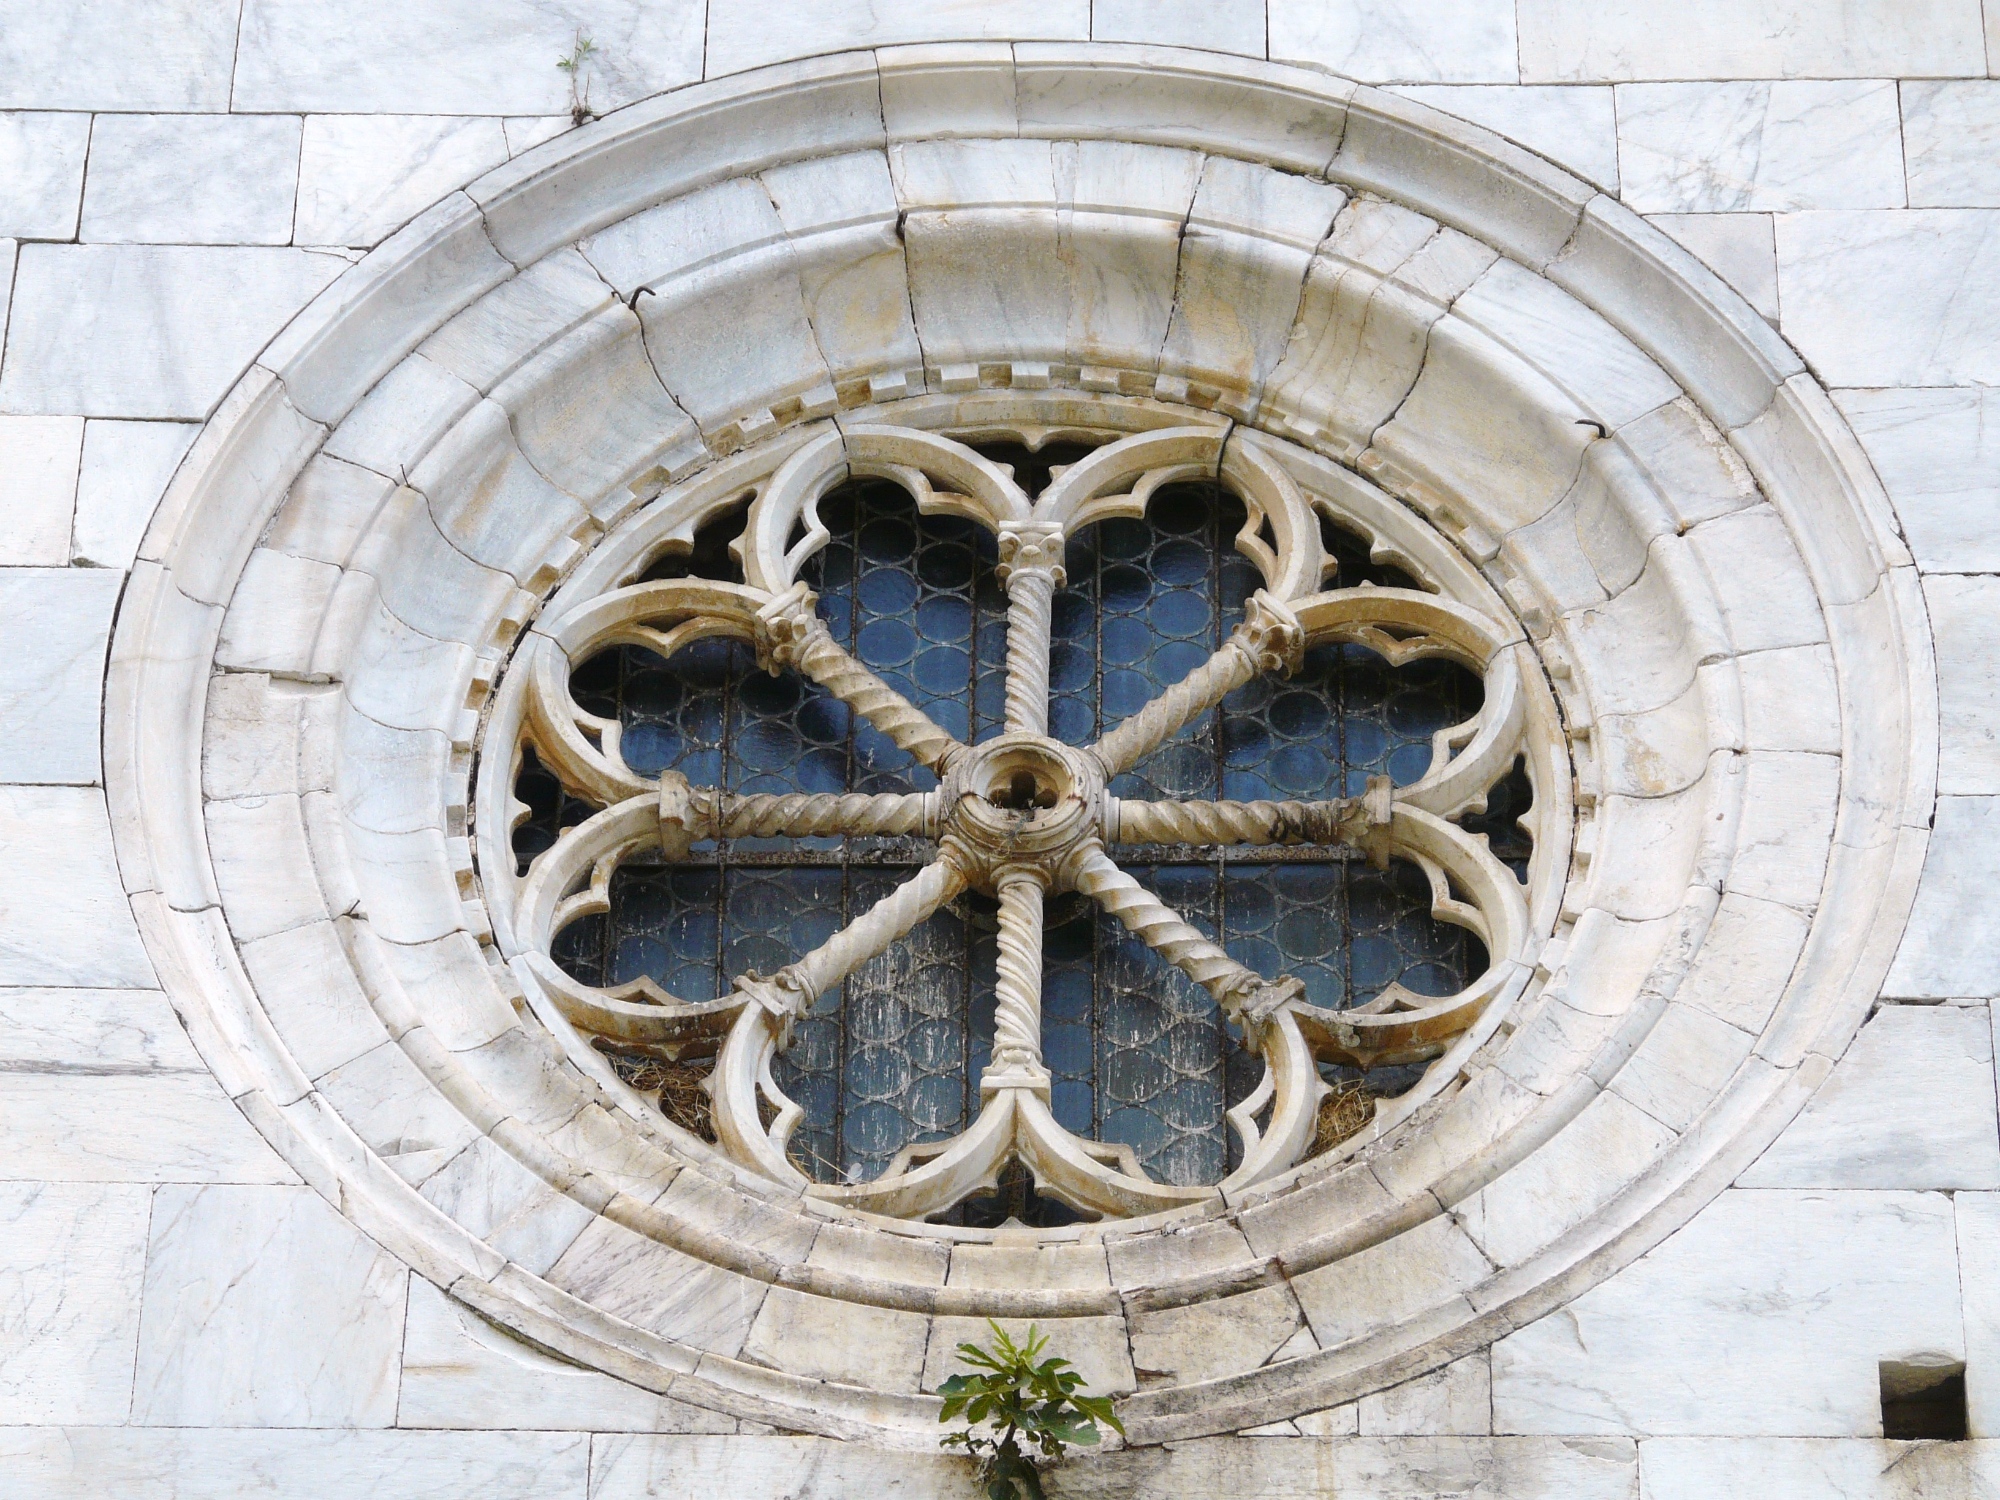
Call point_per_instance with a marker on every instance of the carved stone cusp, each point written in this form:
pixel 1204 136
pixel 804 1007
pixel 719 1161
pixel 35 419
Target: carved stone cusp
pixel 1266 999
pixel 1369 826
pixel 676 815
pixel 785 994
pixel 786 627
pixel 1270 635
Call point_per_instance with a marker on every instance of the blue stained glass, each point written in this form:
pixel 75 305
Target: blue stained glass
pixel 1138 1054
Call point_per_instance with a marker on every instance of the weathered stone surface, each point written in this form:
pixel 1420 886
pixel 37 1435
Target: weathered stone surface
pixel 362 177
pixel 1965 630
pixel 1949 947
pixel 827 1340
pixel 1573 127
pixel 76 928
pixel 71 1259
pixel 155 1463
pixel 1457 1399
pixel 1210 1340
pixel 93 1031
pixel 1397 41
pixel 1907 298
pixel 460 1371
pixel 1740 248
pixel 41 173
pixel 172 1127
pixel 1225 25
pixel 1423 1268
pixel 1938 452
pixel 1910 1105
pixel 38 470
pixel 1978 1219
pixel 1732 147
pixel 767 1468
pixel 376 57
pixel 1951 140
pixel 1585 41
pixel 739 37
pixel 51 678
pixel 146 330
pixel 1767 1314
pixel 192 179
pixel 265 1308
pixel 1788 1468
pixel 126 466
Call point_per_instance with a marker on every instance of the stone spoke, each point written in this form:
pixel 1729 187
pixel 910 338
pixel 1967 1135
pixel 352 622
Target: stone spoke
pixel 1268 640
pixel 1031 567
pixel 792 990
pixel 1017 1025
pixel 1242 992
pixel 791 634
pixel 690 814
pixel 1342 820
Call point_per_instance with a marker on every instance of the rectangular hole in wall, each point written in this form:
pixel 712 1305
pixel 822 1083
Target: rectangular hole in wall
pixel 1923 1398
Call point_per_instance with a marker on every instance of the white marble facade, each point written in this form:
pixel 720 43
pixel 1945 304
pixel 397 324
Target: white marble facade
pixel 183 1315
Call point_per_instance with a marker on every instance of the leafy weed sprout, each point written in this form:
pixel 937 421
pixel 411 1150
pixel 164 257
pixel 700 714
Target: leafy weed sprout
pixel 577 65
pixel 1021 1402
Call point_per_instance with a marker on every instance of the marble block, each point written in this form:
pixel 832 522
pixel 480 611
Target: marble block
pixel 1740 248
pixel 143 54
pixel 362 177
pixel 744 36
pixel 1951 141
pixel 41 172
pixel 1910 1105
pixel 1759 147
pixel 1938 453
pixel 1952 947
pixel 146 330
pixel 1217 25
pixel 38 464
pixel 350 1464
pixel 265 1308
pixel 1766 1314
pixel 1457 1399
pixel 131 1127
pixel 63 915
pixel 1979 1281
pixel 1587 41
pixel 459 57
pixel 1909 298
pixel 71 1258
pixel 125 469
pixel 94 1031
pixel 192 179
pixel 1965 630
pixel 460 1371
pixel 52 674
pixel 1573 127
pixel 1815 1468
pixel 1398 41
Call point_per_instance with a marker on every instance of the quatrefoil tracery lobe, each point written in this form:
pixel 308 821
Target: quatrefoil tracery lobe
pixel 1022 816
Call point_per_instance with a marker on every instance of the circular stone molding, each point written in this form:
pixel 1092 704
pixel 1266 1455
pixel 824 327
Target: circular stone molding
pixel 1608 474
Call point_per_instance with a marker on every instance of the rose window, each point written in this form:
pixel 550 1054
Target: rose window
pixel 1024 812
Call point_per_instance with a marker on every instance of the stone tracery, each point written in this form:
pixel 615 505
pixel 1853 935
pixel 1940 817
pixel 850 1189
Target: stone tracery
pixel 1023 816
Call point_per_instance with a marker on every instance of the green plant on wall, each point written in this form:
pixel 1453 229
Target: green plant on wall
pixel 1030 1411
pixel 577 65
